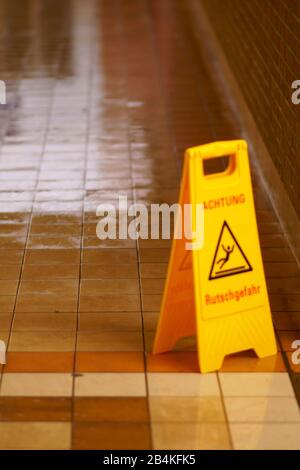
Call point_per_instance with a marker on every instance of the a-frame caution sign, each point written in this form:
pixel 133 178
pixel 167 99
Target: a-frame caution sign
pixel 218 292
pixel 229 258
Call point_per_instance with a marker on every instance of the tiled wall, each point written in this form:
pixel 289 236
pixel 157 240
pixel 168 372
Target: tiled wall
pixel 261 39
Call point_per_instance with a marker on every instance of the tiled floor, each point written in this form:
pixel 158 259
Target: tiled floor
pixel 103 98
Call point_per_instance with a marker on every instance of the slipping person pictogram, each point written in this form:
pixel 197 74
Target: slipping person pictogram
pixel 228 252
pixel 229 258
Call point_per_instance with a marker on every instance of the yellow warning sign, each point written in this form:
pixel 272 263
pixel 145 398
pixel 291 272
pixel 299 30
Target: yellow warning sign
pixel 218 292
pixel 229 257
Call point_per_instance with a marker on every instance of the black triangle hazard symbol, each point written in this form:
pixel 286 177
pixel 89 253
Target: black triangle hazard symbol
pixel 229 258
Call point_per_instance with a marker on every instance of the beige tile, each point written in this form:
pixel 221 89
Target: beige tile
pixel 111 385
pixel 266 436
pixel 183 384
pixel 44 341
pixel 186 409
pixel 256 384
pixel 35 436
pixel 109 341
pixel 262 409
pixel 36 384
pixel 202 436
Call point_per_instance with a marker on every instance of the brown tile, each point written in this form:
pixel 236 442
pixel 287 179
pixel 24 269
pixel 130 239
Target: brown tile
pixel 109 341
pixel 153 270
pixel 45 322
pixel 56 229
pixel 35 409
pixel 110 321
pixel 39 361
pixel 68 288
pixel 116 361
pixel 121 271
pixel 5 321
pixel 111 409
pixel 51 271
pixel 7 303
pixel 52 256
pixel 10 257
pixel 109 286
pixel 50 341
pixel 8 287
pixel 111 436
pixel 36 303
pixel 174 361
pixel 109 256
pixel 158 255
pixel 151 302
pixel 10 272
pixel 153 286
pixel 109 303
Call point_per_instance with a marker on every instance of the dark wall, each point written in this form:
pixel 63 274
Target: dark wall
pixel 261 39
